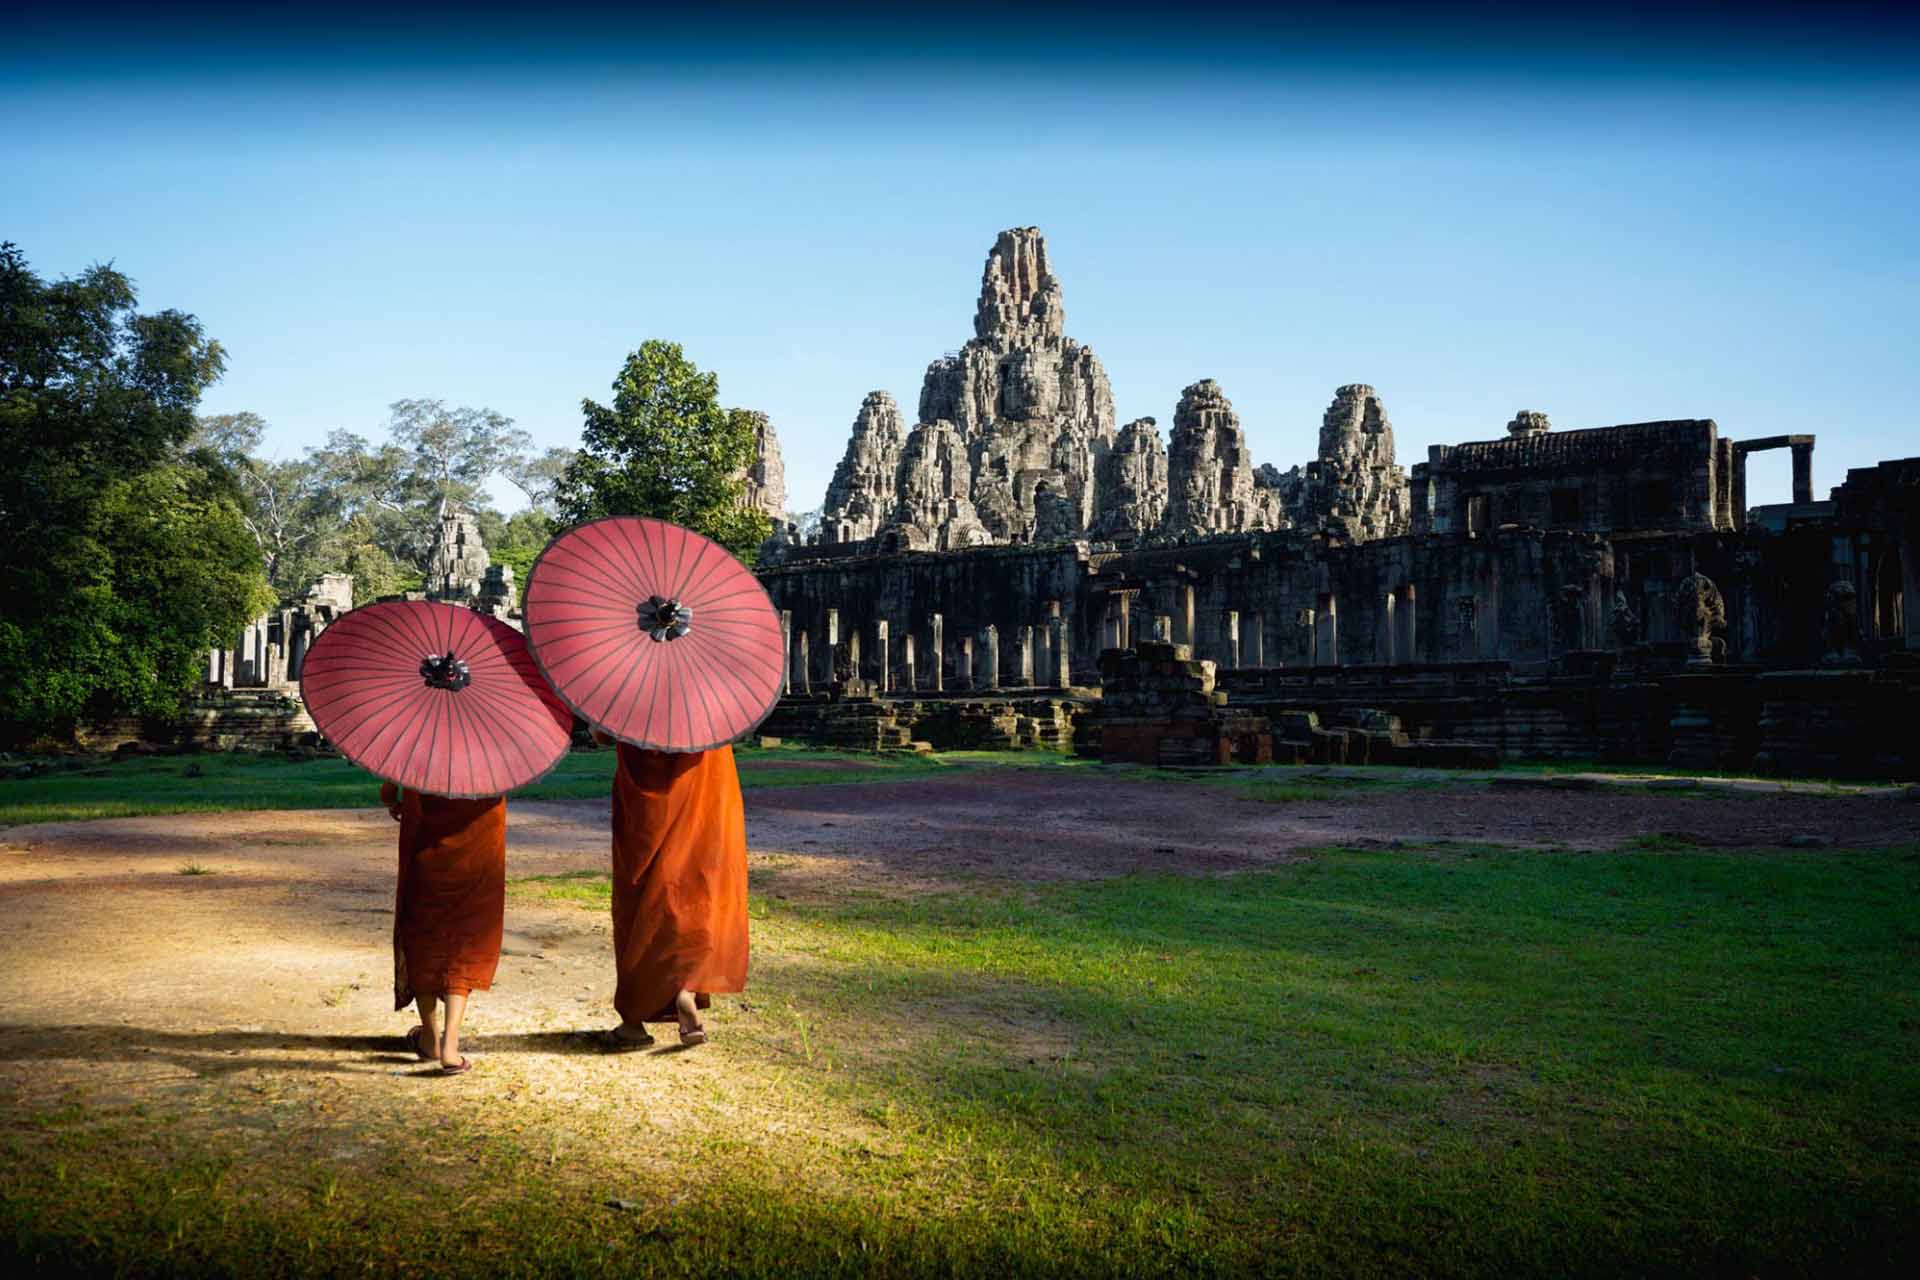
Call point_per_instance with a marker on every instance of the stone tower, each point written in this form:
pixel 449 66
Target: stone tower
pixel 1355 489
pixel 766 479
pixel 1032 405
pixel 1132 491
pixel 1028 412
pixel 457 566
pixel 1210 477
pixel 865 487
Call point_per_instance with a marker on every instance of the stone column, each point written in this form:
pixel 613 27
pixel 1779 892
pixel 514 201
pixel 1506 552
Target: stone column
pixel 296 654
pixel 885 683
pixel 805 662
pixel 1405 641
pixel 1023 658
pixel 1802 471
pixel 1739 487
pixel 1383 632
pixel 907 680
pixel 990 656
pixel 1230 636
pixel 252 654
pixel 1326 637
pixel 1183 620
pixel 966 663
pixel 938 655
pixel 830 650
pixel 1042 654
pixel 786 650
pixel 1110 622
pixel 1259 639
pixel 1163 628
pixel 1061 671
pixel 283 655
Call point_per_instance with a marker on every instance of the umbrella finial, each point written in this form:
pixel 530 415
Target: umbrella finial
pixel 444 671
pixel 665 619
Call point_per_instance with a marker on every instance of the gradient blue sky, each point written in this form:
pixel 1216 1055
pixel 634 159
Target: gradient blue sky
pixel 1612 219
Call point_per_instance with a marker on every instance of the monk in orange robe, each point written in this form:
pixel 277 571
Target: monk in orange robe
pixel 449 911
pixel 679 890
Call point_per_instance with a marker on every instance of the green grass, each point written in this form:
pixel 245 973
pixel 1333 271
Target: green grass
pixel 1462 1062
pixel 1651 771
pixel 1487 1061
pixel 229 782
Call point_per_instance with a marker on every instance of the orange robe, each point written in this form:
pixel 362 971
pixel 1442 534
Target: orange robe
pixel 679 880
pixel 451 905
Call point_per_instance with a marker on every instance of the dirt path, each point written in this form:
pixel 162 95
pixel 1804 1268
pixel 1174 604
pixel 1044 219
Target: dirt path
pixel 124 978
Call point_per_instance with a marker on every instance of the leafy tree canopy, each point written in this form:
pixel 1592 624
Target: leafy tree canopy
pixel 124 554
pixel 373 509
pixel 516 540
pixel 666 448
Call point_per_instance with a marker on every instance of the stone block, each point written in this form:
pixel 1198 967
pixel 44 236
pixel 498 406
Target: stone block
pixel 1299 726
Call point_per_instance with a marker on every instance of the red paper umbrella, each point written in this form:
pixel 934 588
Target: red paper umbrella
pixel 434 697
pixel 654 633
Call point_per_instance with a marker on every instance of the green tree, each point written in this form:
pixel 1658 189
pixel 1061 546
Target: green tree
pixel 539 477
pixel 292 509
pixel 433 455
pixel 123 552
pixel 666 448
pixel 233 437
pixel 375 573
pixel 516 540
pixel 454 451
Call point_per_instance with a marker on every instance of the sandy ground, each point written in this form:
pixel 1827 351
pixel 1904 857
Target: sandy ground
pixel 123 979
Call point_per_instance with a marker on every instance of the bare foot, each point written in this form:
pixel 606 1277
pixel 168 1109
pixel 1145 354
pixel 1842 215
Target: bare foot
pixel 419 1039
pixel 624 1038
pixel 688 1010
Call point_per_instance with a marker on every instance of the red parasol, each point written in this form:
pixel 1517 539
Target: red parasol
pixel 436 698
pixel 654 633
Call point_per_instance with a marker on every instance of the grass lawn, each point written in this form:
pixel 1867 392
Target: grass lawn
pixel 218 782
pixel 1473 1061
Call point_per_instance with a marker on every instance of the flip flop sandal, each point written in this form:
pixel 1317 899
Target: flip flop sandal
pixel 696 1036
pixel 611 1041
pixel 413 1043
pixel 466 1065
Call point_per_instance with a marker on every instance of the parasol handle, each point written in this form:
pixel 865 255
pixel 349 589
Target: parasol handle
pixel 664 619
pixel 444 671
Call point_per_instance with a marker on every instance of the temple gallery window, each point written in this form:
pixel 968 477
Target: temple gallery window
pixel 1479 513
pixel 1566 507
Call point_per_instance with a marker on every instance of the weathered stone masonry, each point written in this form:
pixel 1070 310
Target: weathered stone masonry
pixel 1599 592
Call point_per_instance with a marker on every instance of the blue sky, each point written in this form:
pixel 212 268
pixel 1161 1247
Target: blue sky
pixel 1611 223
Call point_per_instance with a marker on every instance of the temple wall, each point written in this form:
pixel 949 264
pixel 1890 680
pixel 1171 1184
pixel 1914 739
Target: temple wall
pixel 1646 475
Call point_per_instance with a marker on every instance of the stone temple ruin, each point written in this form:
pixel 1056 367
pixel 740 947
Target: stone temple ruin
pixel 1018 568
pixel 252 693
pixel 1016 444
pixel 1603 593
